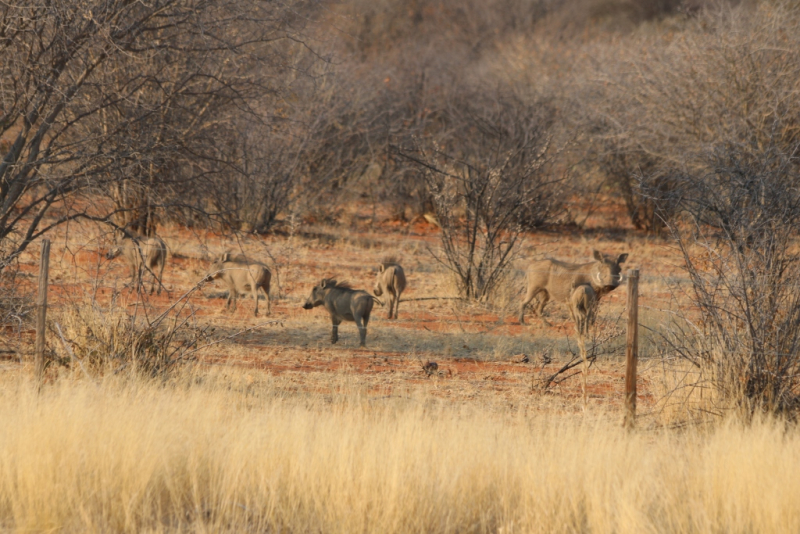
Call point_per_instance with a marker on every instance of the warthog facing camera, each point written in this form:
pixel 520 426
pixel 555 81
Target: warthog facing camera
pixel 241 275
pixel 142 253
pixel 553 279
pixel 343 304
pixel 392 281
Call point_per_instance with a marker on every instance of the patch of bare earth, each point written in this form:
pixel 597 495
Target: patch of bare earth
pixel 482 353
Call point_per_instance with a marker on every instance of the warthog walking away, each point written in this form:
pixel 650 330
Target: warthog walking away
pixel 344 304
pixel 142 253
pixel 241 275
pixel 392 281
pixel 583 308
pixel 553 279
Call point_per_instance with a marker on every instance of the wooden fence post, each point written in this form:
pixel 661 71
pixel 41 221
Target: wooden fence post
pixel 41 311
pixel 632 348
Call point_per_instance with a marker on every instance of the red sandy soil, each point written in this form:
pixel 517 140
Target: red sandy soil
pixel 80 270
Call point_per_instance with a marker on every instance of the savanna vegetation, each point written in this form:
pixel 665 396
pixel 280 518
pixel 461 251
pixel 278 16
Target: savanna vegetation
pixel 464 139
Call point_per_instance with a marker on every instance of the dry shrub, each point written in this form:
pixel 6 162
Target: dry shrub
pixel 16 309
pixel 109 339
pixel 489 179
pixel 659 103
pixel 738 237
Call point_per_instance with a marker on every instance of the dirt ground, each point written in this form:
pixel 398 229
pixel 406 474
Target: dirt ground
pixel 482 353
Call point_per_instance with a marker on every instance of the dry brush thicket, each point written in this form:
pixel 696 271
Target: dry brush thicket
pixel 700 134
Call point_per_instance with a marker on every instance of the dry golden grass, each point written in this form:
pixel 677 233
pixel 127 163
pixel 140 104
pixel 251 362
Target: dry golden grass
pixel 236 454
pixel 277 430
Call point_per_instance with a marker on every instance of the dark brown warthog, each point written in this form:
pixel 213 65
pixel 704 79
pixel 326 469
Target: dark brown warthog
pixel 344 304
pixel 142 253
pixel 240 277
pixel 553 279
pixel 392 281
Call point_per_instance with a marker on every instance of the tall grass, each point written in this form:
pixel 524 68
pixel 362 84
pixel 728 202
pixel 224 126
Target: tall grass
pixel 135 457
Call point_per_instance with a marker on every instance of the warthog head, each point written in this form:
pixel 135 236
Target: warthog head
pixel 114 252
pixel 317 297
pixel 216 269
pixel 606 273
pixel 318 294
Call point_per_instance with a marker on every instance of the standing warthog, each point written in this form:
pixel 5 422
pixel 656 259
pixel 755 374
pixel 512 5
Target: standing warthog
pixel 344 304
pixel 392 281
pixel 583 308
pixel 241 275
pixel 142 253
pixel 553 279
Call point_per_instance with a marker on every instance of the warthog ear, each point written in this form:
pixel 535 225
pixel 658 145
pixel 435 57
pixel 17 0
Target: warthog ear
pixel 322 284
pixel 597 255
pixel 622 258
pixel 382 267
pixel 225 256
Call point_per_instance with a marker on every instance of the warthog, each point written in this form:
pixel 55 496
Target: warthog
pixel 553 279
pixel 392 281
pixel 583 308
pixel 344 304
pixel 142 253
pixel 241 275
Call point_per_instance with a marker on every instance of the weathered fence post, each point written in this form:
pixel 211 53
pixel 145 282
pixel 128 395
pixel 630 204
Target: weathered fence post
pixel 41 311
pixel 632 348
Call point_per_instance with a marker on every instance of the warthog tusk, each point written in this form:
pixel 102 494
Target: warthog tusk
pixel 599 281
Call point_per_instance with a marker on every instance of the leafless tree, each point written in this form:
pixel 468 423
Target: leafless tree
pixel 738 231
pixel 658 104
pixel 123 99
pixel 487 180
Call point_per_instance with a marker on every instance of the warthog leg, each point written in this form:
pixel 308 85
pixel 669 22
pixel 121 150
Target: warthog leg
pixel 233 297
pixel 542 298
pixel 269 302
pixel 134 278
pixel 160 276
pixel 335 331
pixel 361 323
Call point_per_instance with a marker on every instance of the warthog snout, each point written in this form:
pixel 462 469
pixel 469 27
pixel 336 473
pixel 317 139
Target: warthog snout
pixel 308 305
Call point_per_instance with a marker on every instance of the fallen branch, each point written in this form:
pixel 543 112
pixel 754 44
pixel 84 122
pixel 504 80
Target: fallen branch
pixel 574 362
